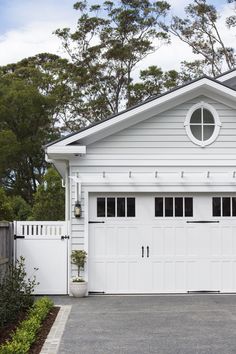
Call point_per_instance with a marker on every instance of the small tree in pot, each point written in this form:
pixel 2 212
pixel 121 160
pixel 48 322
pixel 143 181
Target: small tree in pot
pixel 78 285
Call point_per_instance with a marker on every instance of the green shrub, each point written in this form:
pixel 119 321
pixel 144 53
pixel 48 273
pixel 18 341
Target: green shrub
pixel 26 333
pixel 15 292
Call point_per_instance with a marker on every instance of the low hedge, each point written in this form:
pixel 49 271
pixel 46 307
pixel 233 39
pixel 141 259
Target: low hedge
pixel 26 333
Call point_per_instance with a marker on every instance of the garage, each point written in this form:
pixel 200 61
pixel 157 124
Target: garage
pixel 151 193
pixel 162 243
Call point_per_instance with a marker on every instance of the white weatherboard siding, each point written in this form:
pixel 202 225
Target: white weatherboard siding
pixel 146 153
pixel 162 140
pixel 159 143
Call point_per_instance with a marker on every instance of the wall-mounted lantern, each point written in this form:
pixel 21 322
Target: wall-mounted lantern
pixel 77 209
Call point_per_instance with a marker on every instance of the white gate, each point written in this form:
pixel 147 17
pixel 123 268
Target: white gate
pixel 44 245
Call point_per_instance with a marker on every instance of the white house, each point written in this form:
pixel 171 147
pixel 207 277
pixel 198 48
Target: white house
pixel 157 186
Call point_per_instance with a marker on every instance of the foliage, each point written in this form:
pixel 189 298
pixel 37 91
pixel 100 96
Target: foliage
pixel 78 257
pixel 24 128
pixel 15 292
pixel 6 212
pixel 13 207
pixel 26 333
pixel 231 20
pixel 20 208
pixel 49 202
pixel 153 81
pixel 199 30
pixel 108 43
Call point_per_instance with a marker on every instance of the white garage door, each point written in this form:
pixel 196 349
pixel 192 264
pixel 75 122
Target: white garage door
pixel 147 243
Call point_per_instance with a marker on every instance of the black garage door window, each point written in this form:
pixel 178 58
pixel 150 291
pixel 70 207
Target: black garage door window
pixel 173 207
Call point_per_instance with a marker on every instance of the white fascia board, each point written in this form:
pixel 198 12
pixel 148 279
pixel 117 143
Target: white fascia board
pixel 159 104
pixel 227 76
pixel 72 150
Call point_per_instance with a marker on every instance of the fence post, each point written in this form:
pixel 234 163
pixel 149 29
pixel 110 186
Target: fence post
pixel 6 246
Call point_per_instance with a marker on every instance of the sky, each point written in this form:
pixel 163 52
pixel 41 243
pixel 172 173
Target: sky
pixel 26 28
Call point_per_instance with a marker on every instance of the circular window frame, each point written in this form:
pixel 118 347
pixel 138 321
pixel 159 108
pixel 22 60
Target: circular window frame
pixel 217 124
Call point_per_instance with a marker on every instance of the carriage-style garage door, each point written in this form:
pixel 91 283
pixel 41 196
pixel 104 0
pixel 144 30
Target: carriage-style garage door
pixel 146 243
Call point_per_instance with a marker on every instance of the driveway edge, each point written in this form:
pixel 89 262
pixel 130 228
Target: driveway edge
pixel 51 344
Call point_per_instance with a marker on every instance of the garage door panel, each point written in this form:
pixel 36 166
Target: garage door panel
pixel 123 276
pixel 122 234
pixel 169 276
pixel 234 241
pixel 215 277
pixel 97 276
pixel 192 240
pixel 164 254
pixel 180 241
pixel 158 276
pixel 111 275
pixel 180 276
pixel 133 241
pixel 215 235
pixel 98 241
pixel 169 241
pixel 157 241
pixel 227 273
pixel 226 240
pixel 192 271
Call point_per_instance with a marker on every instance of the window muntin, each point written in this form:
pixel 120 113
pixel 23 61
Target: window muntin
pixel 173 207
pixel 116 207
pixel 223 206
pixel 202 124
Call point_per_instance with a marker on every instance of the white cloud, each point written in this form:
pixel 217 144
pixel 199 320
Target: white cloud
pixel 39 19
pixel 28 41
pixel 170 56
pixel 34 23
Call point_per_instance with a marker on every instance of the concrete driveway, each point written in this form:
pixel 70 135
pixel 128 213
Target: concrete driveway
pixel 150 324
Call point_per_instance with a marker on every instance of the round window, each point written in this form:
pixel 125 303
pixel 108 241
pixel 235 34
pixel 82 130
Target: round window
pixel 202 124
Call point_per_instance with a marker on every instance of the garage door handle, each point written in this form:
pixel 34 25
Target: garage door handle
pixel 147 251
pixel 142 251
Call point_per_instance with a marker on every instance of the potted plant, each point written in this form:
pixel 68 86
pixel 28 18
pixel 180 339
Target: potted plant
pixel 78 286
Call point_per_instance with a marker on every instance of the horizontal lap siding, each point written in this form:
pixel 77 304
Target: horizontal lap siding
pixel 77 224
pixel 163 139
pixel 158 141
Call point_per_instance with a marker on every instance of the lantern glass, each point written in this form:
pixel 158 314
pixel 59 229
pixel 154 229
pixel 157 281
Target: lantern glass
pixel 77 210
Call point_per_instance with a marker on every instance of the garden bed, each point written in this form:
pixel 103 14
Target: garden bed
pixel 5 332
pixel 44 330
pixel 33 326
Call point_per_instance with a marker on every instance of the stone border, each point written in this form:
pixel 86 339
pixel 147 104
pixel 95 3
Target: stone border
pixel 51 344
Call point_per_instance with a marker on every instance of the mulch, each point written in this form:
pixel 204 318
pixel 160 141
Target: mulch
pixel 44 330
pixel 6 331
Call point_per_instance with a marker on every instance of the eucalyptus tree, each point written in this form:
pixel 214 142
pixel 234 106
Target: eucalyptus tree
pixel 199 29
pixel 109 41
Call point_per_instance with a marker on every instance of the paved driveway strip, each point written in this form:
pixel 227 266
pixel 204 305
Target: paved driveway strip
pixel 198 324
